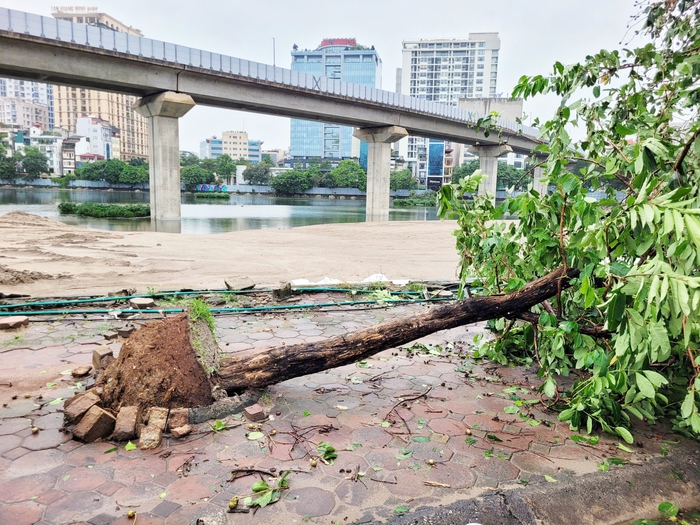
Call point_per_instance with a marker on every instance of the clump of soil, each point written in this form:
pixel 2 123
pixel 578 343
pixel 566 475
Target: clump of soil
pixel 159 366
pixel 9 276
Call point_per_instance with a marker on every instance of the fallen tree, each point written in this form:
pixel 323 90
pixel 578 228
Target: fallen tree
pixel 286 362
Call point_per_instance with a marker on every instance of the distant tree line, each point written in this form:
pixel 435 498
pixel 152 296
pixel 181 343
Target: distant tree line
pixel 30 161
pixel 208 171
pixel 114 171
pixel 348 174
pixel 508 176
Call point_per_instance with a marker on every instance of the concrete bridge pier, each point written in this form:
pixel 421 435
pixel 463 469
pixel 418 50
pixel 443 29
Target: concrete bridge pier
pixel 379 142
pixel 488 164
pixel 537 184
pixel 163 111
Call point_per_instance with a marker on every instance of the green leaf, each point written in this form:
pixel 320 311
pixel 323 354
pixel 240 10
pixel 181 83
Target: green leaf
pixel 624 434
pixel 644 385
pixel 624 448
pixel 129 446
pixel 402 509
pixel 659 340
pixel 596 91
pixel 252 436
pixel 420 439
pixel 385 424
pixel 512 409
pixel 493 437
pixel 550 479
pixel 56 401
pixel 306 413
pixel 110 450
pixel 470 440
pixel 259 486
pixel 264 500
pixel 404 454
pixel 49 385
pixel 688 405
pixel 655 378
pixel 668 509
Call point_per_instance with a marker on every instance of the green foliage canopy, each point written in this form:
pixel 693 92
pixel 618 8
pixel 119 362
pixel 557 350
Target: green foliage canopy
pixel 193 174
pixel 402 180
pixel 349 174
pixel 34 162
pixel 638 257
pixel 257 173
pixel 291 182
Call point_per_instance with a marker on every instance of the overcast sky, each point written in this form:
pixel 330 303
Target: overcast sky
pixel 534 34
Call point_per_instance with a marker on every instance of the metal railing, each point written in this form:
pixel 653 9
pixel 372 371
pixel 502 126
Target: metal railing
pixel 100 38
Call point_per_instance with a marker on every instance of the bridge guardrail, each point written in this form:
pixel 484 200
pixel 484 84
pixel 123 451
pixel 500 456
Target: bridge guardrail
pixel 101 38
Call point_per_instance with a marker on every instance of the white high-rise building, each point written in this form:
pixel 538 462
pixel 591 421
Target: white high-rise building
pixel 35 94
pixel 444 70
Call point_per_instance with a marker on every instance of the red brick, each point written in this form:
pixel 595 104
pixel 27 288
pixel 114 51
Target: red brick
pixel 255 413
pixel 125 426
pixel 179 417
pixel 78 405
pixel 157 417
pixel 150 437
pixel 100 357
pixel 95 424
pixel 14 321
pixel 181 431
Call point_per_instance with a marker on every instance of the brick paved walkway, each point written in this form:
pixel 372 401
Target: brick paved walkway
pixel 474 431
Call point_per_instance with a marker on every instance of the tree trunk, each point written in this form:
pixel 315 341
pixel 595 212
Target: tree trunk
pixel 286 362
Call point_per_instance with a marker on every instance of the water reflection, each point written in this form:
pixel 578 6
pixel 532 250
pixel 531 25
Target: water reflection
pixel 240 212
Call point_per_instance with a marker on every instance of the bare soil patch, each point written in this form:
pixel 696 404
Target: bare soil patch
pixel 13 277
pixel 158 367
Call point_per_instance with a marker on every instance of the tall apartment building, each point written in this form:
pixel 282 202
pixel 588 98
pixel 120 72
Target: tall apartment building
pixel 72 103
pixel 23 114
pixel 444 70
pixel 235 144
pixel 338 58
pixel 34 93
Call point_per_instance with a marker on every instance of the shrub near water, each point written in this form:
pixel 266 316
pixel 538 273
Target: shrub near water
pixel 212 195
pixel 91 209
pixel 429 198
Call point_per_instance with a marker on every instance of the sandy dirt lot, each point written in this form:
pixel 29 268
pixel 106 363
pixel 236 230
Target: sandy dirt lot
pixel 40 256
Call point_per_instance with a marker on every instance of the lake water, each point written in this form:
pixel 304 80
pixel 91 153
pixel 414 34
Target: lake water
pixel 240 212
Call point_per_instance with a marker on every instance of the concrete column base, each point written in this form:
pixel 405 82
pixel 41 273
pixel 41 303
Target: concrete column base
pixel 379 142
pixel 166 226
pixel 538 185
pixel 488 164
pixel 162 111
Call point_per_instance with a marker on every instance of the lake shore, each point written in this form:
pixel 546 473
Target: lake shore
pixel 43 257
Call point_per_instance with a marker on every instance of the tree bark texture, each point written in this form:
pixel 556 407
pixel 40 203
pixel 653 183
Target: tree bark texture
pixel 286 362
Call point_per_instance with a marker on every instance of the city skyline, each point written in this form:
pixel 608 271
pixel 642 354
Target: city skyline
pixel 533 36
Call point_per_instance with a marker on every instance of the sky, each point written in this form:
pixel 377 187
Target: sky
pixel 534 35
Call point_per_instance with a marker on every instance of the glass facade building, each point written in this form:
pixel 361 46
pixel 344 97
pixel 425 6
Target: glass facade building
pixel 338 58
pixel 255 151
pixel 210 148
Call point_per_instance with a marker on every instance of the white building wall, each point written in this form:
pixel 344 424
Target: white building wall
pixel 99 134
pixel 50 146
pixel 445 70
